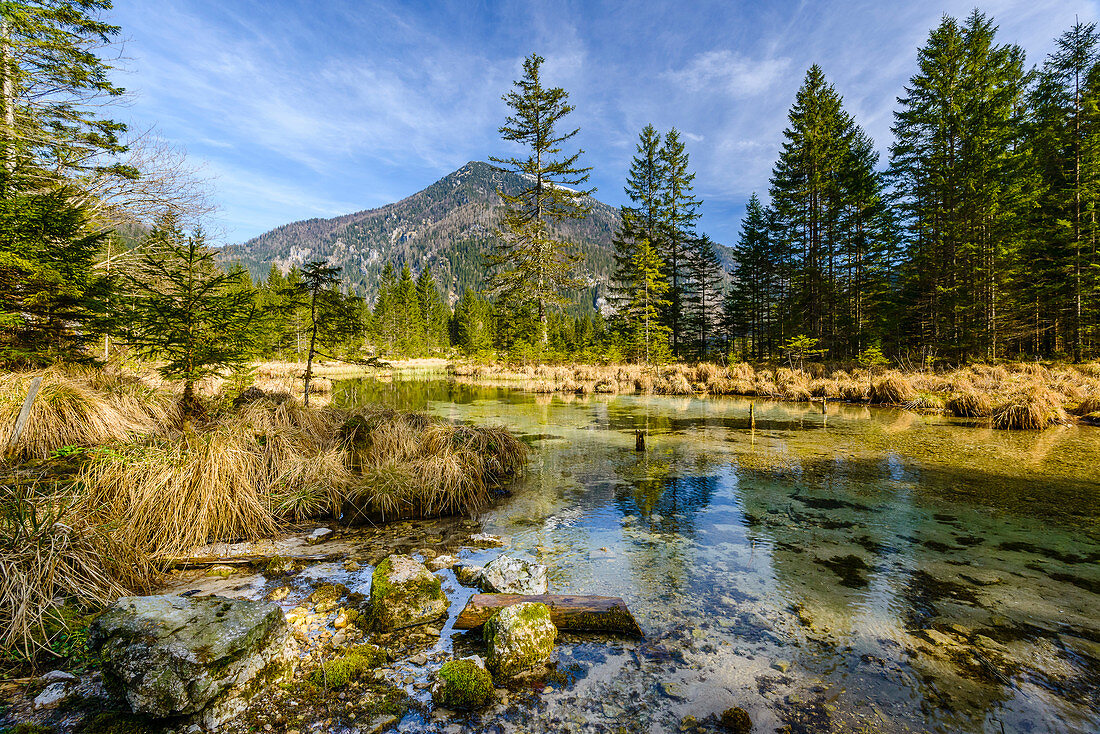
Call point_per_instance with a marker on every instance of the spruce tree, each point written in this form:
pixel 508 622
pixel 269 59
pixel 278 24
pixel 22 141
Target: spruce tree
pixel 531 264
pixel 647 335
pixel 703 297
pixel 181 310
pixel 679 212
pixel 646 187
pixel 961 184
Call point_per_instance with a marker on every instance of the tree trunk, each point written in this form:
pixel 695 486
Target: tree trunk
pixel 568 612
pixel 312 346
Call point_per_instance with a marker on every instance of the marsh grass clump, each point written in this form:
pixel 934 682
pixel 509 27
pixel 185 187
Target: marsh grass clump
pixel 77 410
pixel 970 404
pixel 1033 408
pixel 53 555
pixel 338 672
pixel 893 389
pixel 1089 405
pixel 411 465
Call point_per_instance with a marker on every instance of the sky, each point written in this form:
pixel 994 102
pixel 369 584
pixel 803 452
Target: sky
pixel 319 108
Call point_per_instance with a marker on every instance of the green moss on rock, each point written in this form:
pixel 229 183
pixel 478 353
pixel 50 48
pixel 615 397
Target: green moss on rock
pixel 340 671
pixel 736 720
pixel 519 637
pixel 464 684
pixel 404 593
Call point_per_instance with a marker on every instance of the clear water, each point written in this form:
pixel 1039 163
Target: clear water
pixel 867 570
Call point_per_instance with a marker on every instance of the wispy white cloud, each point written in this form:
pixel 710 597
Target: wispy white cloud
pixel 723 71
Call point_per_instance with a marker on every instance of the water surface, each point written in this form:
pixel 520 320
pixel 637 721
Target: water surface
pixel 866 570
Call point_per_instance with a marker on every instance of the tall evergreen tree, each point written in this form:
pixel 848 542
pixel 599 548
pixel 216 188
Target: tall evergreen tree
pixel 531 264
pixel 751 301
pixel 1066 146
pixel 957 167
pixel 647 336
pixel 704 271
pixel 646 188
pixel 679 212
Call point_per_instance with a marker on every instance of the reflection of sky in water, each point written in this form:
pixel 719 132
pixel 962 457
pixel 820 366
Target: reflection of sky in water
pixel 866 568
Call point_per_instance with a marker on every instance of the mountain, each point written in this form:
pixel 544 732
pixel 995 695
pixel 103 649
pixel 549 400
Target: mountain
pixel 448 226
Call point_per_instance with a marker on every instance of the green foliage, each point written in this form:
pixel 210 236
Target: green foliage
pixel 872 357
pixel 531 263
pixel 181 310
pixel 465 684
pixel 338 672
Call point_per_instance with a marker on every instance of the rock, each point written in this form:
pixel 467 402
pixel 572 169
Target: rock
pixel 484 540
pixel 326 596
pixel 781 665
pixel 404 593
pixel 378 724
pixel 440 562
pixel 200 656
pixel 468 575
pixel 736 720
pixel 278 593
pixel 220 571
pixel 351 566
pixel 58 676
pixel 320 535
pixel 52 695
pixel 463 684
pixel 519 637
pixel 508 575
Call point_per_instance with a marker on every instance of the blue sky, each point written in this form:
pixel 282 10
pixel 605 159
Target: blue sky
pixel 315 109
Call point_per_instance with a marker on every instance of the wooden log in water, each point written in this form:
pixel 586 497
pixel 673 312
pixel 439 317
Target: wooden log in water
pixel 247 560
pixel 569 612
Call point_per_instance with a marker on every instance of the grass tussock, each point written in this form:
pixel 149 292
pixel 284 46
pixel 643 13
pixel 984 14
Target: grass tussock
pixel 1034 408
pixel 892 389
pixel 970 404
pixel 52 553
pixel 411 465
pixel 1090 404
pixel 79 409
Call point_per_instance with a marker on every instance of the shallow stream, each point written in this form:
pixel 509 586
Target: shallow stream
pixel 864 570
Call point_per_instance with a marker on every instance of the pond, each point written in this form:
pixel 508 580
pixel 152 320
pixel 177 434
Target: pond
pixel 858 570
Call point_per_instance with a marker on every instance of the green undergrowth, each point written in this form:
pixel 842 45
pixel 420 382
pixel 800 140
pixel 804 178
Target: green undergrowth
pixel 338 672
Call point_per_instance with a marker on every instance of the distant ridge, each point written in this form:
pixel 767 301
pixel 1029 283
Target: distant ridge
pixel 447 226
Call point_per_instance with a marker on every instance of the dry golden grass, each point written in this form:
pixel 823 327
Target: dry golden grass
pixel 893 389
pixel 411 465
pixel 1090 404
pixel 79 409
pixel 1033 408
pixel 51 554
pixel 970 404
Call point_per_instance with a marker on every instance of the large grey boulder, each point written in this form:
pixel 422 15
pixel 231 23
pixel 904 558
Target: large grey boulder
pixel 519 637
pixel 508 575
pixel 404 593
pixel 202 657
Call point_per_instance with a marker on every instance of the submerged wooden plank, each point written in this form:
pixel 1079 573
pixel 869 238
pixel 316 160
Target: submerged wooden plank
pixel 577 613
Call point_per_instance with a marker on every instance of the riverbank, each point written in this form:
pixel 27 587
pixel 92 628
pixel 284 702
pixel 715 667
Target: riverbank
pixel 1011 396
pixel 107 482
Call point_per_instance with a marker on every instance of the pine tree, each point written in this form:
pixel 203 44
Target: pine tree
pixel 679 212
pixel 645 186
pixel 958 170
pixel 433 310
pixel 647 335
pixel 751 301
pixel 386 311
pixel 1065 142
pixel 530 264
pixel 185 312
pixel 705 279
pixel 317 281
pixel 410 321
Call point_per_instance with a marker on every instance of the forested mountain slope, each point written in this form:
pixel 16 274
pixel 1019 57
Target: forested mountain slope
pixel 447 226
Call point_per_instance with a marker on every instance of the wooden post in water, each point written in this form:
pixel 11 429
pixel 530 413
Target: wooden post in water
pixel 752 416
pixel 25 413
pixel 824 403
pixel 639 441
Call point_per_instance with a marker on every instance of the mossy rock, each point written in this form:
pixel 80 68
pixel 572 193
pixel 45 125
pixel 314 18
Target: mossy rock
pixel 736 720
pixel 519 637
pixel 404 593
pixel 340 671
pixel 463 684
pixel 28 729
